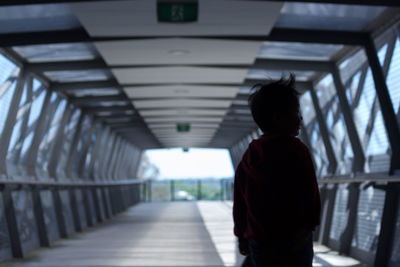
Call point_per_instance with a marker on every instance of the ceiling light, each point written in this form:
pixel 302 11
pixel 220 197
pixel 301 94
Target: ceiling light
pixel 178 52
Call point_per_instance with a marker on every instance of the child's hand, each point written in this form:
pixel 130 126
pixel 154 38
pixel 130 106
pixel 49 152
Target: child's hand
pixel 244 247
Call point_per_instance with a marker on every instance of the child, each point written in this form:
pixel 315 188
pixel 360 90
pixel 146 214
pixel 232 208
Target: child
pixel 276 202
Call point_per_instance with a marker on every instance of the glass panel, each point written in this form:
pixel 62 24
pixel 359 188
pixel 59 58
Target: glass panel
pixel 86 125
pixel 311 126
pixel 68 136
pixel 327 16
pixel 329 102
pixel 45 148
pixel 368 223
pixel 368 118
pixel 276 75
pixel 31 18
pixel 56 52
pixel 8 72
pixel 76 76
pixel 298 51
pixel 393 78
pixel 340 213
pixel 97 92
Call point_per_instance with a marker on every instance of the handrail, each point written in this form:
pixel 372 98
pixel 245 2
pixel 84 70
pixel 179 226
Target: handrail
pixel 67 184
pixel 360 178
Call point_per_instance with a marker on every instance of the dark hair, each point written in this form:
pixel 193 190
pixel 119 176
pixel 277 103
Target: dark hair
pixel 269 102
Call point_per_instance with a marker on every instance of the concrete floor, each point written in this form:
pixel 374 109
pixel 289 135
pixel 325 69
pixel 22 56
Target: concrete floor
pixel 192 234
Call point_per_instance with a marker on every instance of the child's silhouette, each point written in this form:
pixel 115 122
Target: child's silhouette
pixel 276 197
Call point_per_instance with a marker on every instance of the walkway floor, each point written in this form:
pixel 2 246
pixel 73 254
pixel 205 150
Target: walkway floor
pixel 192 234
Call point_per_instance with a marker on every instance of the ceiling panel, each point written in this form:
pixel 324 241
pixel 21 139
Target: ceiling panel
pixel 183 119
pixel 177 91
pixel 178 51
pixel 139 18
pixel 182 112
pixel 160 75
pixel 182 103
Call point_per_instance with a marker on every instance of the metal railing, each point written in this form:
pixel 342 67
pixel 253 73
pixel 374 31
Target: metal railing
pixel 35 213
pixel 187 189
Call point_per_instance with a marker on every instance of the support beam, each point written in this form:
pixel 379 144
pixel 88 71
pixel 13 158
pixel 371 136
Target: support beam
pixel 84 85
pixel 393 3
pixel 67 65
pixel 260 63
pixel 358 152
pixel 290 64
pixel 276 35
pixel 388 114
pixel 388 225
pixel 96 99
pixel 324 133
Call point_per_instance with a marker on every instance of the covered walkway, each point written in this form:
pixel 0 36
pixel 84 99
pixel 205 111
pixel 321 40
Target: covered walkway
pixel 158 234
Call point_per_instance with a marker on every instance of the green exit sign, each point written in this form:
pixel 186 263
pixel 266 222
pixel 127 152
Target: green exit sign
pixel 183 127
pixel 177 11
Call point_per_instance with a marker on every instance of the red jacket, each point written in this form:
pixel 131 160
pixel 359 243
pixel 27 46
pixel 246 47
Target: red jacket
pixel 275 190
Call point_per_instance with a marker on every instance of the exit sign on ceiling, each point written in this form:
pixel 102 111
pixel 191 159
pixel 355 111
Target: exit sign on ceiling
pixel 177 11
pixel 183 127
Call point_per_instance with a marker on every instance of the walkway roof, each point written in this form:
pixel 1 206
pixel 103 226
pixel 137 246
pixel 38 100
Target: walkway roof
pixel 142 77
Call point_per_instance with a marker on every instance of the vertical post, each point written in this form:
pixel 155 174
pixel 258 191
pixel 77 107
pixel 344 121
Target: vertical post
pixel 172 190
pixel 86 205
pixel 222 191
pixel 324 132
pixel 388 114
pixel 352 207
pixel 388 225
pixel 12 225
pixel 105 202
pixel 198 189
pixel 74 209
pixel 328 214
pixel 358 152
pixel 59 212
pixel 96 203
pixel 149 190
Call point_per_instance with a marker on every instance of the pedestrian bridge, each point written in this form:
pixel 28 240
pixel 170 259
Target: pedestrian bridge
pixel 86 87
pixel 190 234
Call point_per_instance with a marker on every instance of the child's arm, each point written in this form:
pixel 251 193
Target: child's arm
pixel 239 208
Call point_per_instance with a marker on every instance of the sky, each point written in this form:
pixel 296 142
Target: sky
pixel 196 163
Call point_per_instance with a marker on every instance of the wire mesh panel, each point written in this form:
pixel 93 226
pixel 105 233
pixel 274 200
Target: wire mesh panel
pixel 160 191
pixel 67 212
pixel 340 212
pixel 395 257
pixel 5 247
pixel 49 215
pixel 25 220
pixel 368 219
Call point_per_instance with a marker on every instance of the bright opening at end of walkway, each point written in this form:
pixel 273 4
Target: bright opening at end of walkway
pixel 175 163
